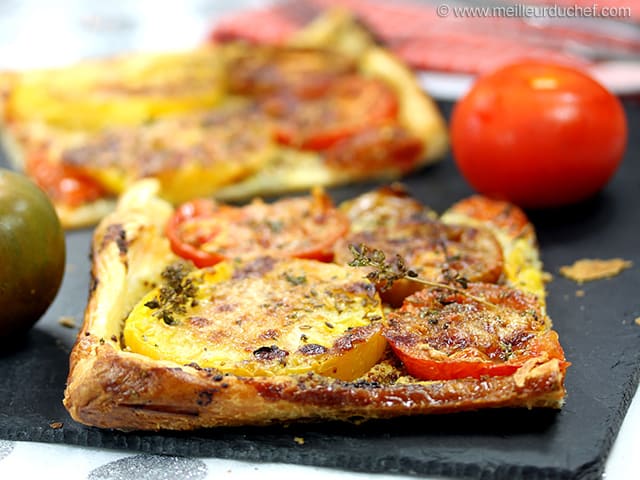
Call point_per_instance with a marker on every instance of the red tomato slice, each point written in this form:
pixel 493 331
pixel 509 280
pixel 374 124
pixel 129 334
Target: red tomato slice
pixel 429 369
pixel 63 183
pixel 307 73
pixel 206 232
pixel 387 207
pixel 444 335
pixel 351 105
pixel 388 147
pixel 434 250
pixel 185 242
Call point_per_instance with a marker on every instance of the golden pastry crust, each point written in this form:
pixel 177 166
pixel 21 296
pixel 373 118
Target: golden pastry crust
pixel 111 387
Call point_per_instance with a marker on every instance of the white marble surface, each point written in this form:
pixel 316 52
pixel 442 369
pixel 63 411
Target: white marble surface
pixel 47 33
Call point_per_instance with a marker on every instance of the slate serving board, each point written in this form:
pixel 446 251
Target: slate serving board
pixel 597 331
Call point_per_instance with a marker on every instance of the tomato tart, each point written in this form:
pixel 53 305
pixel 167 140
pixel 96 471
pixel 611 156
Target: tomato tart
pixel 209 314
pixel 230 120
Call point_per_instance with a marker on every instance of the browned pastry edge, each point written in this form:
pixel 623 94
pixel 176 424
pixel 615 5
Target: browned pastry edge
pixel 123 391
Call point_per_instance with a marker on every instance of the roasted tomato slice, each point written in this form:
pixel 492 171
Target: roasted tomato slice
pixel 374 149
pixel 499 214
pixel 351 105
pixel 387 206
pixel 63 183
pixel 206 232
pixel 434 250
pixel 440 334
pixel 248 318
pixel 306 73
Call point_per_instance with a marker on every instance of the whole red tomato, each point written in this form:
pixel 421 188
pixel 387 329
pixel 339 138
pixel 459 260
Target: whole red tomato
pixel 538 135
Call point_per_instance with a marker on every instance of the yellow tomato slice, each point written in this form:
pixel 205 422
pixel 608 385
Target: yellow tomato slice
pixel 263 317
pixel 127 90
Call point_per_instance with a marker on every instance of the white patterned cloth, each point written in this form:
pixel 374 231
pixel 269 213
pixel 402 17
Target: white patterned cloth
pixel 26 460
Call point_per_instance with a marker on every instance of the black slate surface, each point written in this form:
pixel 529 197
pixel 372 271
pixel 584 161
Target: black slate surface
pixel 597 331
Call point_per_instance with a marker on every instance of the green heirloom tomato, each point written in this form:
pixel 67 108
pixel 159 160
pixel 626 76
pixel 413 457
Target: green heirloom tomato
pixel 32 253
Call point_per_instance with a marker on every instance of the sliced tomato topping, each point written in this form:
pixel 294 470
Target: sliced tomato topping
pixel 385 207
pixel 351 105
pixel 65 184
pixel 436 251
pixel 490 211
pixel 373 149
pixel 441 335
pixel 304 72
pixel 186 234
pixel 207 232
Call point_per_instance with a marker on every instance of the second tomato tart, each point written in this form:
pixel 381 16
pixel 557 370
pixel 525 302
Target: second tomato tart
pixel 230 121
pixel 262 335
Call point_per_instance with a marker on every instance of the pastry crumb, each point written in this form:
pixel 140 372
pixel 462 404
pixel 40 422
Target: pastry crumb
pixel 579 293
pixel 299 440
pixel 56 425
pixel 67 321
pixel 588 269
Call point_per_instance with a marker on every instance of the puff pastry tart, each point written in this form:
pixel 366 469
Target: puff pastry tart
pixel 211 315
pixel 229 120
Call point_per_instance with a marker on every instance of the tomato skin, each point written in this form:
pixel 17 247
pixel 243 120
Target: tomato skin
pixel 63 183
pixel 375 149
pixel 538 135
pixel 430 369
pixel 32 253
pixel 306 73
pixel 352 105
pixel 442 335
pixel 434 250
pixel 199 208
pixel 207 233
pixel 427 369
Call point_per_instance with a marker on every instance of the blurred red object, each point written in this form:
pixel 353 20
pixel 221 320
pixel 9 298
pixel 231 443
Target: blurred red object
pixel 429 38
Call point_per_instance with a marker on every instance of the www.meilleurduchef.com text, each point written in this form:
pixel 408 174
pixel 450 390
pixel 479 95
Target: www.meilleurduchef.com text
pixel 520 10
